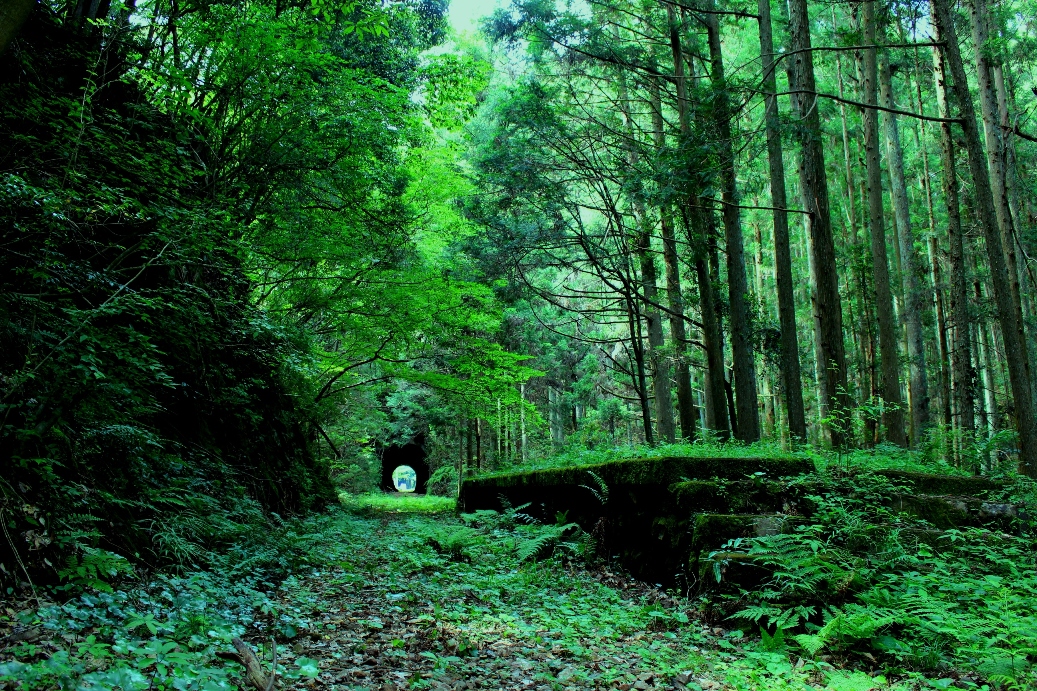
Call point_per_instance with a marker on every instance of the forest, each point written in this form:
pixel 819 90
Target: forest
pixel 708 326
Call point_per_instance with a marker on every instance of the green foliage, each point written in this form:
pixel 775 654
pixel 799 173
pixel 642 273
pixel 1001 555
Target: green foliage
pixel 454 87
pixel 865 579
pixel 166 631
pixel 212 269
pixel 94 568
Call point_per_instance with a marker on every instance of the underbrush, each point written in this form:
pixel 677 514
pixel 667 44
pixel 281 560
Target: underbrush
pixel 165 631
pixel 865 582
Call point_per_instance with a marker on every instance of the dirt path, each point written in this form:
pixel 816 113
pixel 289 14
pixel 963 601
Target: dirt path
pixel 395 613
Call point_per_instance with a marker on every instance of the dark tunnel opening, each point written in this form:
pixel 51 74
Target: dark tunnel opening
pixel 411 454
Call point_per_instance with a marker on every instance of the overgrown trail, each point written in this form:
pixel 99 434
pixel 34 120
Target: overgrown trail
pixel 427 601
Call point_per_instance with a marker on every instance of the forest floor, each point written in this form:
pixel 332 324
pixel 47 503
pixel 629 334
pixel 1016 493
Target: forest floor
pixel 412 598
pixel 402 593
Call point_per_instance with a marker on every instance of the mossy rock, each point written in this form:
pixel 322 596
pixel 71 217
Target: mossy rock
pixel 743 496
pixel 954 512
pixel 711 530
pixel 663 472
pixel 942 485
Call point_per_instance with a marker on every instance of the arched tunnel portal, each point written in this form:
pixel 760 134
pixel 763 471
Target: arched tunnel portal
pixel 411 454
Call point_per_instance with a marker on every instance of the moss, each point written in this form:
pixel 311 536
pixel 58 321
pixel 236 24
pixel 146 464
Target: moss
pixel 938 511
pixel 664 471
pixel 942 484
pixel 954 512
pixel 700 495
pixel 711 530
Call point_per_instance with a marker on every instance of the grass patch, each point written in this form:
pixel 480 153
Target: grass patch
pixel 396 502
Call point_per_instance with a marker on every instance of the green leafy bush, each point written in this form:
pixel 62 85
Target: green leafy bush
pixel 865 579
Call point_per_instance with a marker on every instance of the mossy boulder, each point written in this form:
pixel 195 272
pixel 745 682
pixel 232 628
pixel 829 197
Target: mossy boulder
pixel 942 485
pixel 945 512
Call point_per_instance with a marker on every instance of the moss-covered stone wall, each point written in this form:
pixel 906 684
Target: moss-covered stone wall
pixel 661 517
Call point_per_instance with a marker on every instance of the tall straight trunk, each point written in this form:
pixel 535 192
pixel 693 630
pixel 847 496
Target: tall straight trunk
pixel 470 443
pixel 716 397
pixel 697 225
pixel 893 416
pixel 998 170
pixel 638 370
pixel 768 429
pixel 866 343
pixel 686 412
pixel 985 344
pixel 986 213
pixel 977 366
pixel 660 367
pixel 935 271
pixel 813 183
pixel 713 259
pixel 1018 220
pixel 791 375
pixel 744 360
pixel 961 359
pixel 912 306
pixel 460 460
pixel 942 351
pixel 522 423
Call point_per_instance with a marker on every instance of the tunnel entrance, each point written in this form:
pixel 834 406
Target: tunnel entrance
pixel 404 468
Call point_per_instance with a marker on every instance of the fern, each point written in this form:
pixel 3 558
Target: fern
pixel 94 569
pixel 455 542
pixel 601 491
pixel 544 538
pixel 776 617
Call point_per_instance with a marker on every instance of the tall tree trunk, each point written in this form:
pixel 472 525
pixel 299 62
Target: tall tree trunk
pixel 985 345
pixel 470 443
pixel 1025 290
pixel 996 152
pixel 813 182
pixel 893 417
pixel 791 375
pixel 656 357
pixel 1015 351
pixel 638 370
pixel 697 225
pixel 935 270
pixel 744 360
pixel 686 412
pixel 768 429
pixel 912 308
pixel 659 366
pixel 522 423
pixel 866 343
pixel 942 350
pixel 961 358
